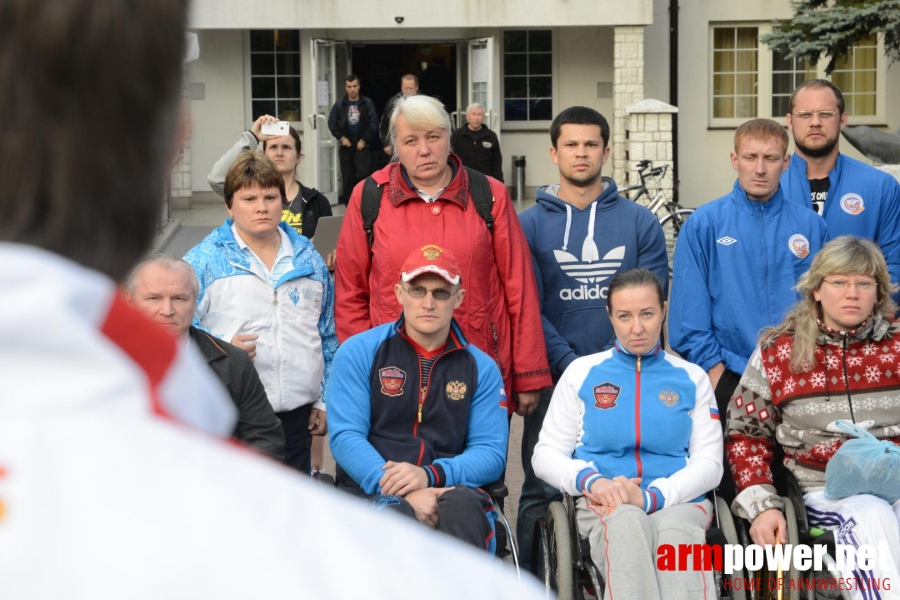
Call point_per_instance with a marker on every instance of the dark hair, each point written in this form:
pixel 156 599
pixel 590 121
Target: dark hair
pixel 293 133
pixel 633 278
pixel 351 77
pixel 252 168
pixel 579 115
pixel 67 68
pixel 818 83
pixel 411 76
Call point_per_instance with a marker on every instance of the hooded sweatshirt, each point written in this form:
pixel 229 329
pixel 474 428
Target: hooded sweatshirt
pixel 576 253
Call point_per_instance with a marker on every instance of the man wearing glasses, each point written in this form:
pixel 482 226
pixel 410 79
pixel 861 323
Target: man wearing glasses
pixel 854 198
pixel 417 414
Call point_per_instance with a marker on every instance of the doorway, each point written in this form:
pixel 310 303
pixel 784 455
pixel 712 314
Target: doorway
pixel 380 67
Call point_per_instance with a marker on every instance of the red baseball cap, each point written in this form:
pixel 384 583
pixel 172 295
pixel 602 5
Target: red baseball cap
pixel 431 259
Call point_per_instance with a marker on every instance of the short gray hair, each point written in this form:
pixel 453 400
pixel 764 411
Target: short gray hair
pixel 473 106
pixel 168 261
pixel 423 113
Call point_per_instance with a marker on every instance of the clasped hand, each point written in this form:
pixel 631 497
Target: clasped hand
pixel 611 493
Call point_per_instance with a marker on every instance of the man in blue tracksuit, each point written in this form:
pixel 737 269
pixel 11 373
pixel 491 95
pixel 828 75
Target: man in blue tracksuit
pixel 581 233
pixel 417 415
pixel 737 260
pixel 853 197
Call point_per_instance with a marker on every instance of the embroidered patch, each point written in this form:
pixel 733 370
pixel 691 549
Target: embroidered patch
pixel 456 390
pixel 392 380
pixel 431 252
pixel 669 398
pixel 852 204
pixel 799 245
pixel 726 241
pixel 605 395
pixel 503 401
pixel 486 144
pixel 294 295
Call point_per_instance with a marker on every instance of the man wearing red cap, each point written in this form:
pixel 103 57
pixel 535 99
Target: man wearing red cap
pixel 417 414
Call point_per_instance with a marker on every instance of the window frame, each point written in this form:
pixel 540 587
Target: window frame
pixel 543 124
pixel 248 77
pixel 764 64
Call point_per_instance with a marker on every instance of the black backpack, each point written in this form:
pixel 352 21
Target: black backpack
pixel 479 189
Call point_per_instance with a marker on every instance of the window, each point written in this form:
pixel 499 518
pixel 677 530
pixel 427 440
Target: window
pixel 856 76
pixel 748 80
pixel 735 72
pixel 275 74
pixel 787 74
pixel 528 75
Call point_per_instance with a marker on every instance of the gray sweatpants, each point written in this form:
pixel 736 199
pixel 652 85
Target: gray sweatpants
pixel 623 547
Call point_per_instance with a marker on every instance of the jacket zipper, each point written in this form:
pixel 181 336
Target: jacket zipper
pixel 277 354
pixel 637 418
pixel 423 393
pixel 847 381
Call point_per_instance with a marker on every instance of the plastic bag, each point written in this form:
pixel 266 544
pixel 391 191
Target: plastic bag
pixel 863 465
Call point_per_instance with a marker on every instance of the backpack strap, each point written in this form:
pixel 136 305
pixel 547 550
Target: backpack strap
pixel 482 196
pixel 369 206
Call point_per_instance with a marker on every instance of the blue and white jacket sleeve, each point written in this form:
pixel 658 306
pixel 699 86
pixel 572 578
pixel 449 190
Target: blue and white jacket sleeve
pixel 195 258
pixel 690 305
pixel 484 457
pixel 703 471
pixel 327 331
pixel 349 415
pixel 553 460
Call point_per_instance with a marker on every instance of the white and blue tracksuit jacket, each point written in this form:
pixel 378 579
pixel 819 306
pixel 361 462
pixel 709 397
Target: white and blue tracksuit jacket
pixel 652 416
pixel 455 427
pixel 862 201
pixel 736 263
pixel 294 321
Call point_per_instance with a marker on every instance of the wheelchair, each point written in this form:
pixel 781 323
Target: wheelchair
pixel 563 558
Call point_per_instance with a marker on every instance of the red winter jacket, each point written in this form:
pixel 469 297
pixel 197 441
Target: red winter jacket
pixel 500 313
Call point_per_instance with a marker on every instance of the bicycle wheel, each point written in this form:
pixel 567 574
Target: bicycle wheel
pixel 671 225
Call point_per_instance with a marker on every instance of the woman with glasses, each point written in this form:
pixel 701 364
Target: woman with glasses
pixel 835 356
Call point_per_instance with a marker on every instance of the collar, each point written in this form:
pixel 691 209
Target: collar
pixel 423 194
pixel 400 189
pixel 771 206
pixel 647 358
pixel 211 348
pixel 455 340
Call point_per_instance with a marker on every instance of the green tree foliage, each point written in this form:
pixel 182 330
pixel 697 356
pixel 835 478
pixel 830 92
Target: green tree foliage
pixel 833 27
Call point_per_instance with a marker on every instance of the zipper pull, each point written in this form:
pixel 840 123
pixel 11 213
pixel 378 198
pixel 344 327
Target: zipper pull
pixel 274 297
pixel 639 363
pixel 421 402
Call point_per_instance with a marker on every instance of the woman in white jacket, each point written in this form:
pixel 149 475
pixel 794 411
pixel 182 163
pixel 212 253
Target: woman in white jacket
pixel 635 433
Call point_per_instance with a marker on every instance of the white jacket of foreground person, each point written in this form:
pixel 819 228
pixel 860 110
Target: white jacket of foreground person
pixel 110 490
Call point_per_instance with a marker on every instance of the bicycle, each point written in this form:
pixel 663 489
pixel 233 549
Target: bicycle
pixel 671 215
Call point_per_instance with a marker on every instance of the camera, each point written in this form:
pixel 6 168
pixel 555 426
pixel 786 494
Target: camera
pixel 399 20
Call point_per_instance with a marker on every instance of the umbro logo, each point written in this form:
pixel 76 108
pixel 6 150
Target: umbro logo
pixel 726 241
pixel 590 269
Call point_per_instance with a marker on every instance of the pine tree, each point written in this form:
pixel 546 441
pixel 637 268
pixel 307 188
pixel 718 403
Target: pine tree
pixel 833 27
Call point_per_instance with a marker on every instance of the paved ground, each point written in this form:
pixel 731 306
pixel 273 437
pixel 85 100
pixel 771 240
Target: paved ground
pixel 197 222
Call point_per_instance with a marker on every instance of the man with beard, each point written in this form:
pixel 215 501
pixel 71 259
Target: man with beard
pixel 581 233
pixel 853 197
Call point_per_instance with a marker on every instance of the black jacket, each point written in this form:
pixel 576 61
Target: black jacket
pixel 368 121
pixel 479 150
pixel 305 210
pixel 257 424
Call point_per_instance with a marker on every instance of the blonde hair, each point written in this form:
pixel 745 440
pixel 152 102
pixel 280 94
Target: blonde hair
pixel 764 130
pixel 845 255
pixel 423 113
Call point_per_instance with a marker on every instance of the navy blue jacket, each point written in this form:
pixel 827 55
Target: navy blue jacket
pixel 862 201
pixel 736 263
pixel 461 434
pixel 576 253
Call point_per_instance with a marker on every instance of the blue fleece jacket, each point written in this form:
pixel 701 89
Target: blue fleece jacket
pixel 862 201
pixel 576 252
pixel 736 263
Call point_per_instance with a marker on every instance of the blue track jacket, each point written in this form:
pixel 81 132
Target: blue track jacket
pixel 576 252
pixel 652 416
pixel 460 435
pixel 862 201
pixel 736 263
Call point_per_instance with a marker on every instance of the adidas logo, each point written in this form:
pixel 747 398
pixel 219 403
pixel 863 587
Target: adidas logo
pixel 726 241
pixel 589 270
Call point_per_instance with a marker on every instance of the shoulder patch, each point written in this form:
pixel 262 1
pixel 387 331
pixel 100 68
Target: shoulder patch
pixel 799 245
pixel 503 402
pixel 392 380
pixel 606 394
pixel 852 204
pixel 456 389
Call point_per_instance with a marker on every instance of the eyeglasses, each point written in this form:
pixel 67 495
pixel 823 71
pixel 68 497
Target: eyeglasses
pixel 437 293
pixel 841 285
pixel 824 115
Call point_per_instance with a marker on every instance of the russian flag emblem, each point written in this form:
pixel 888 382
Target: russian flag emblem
pixel 714 413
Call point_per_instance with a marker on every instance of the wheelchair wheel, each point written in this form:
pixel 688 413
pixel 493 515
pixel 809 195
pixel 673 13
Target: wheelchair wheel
pixel 556 568
pixel 726 524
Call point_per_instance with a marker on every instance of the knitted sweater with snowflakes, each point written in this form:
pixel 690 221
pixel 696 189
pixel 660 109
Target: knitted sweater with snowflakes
pixel 856 377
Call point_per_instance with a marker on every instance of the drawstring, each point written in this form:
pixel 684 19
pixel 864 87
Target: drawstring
pixel 589 249
pixel 568 226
